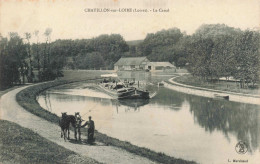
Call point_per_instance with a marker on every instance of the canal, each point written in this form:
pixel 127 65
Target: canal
pixel 180 125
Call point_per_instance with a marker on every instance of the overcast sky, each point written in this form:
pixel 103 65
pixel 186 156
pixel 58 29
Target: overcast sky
pixel 68 19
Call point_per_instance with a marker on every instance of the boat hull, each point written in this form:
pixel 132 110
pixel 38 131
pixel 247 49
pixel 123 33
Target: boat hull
pixel 129 93
pixel 134 94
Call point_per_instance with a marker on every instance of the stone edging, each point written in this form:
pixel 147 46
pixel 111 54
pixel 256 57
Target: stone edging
pixel 211 93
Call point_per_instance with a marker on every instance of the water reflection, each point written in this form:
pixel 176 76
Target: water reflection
pixel 167 99
pixel 134 104
pixel 177 124
pixel 241 120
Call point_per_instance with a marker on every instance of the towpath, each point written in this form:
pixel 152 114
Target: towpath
pixel 10 110
pixel 199 91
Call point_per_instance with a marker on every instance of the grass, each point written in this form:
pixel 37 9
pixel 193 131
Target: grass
pixel 221 85
pixel 27 99
pixel 21 145
pixel 144 152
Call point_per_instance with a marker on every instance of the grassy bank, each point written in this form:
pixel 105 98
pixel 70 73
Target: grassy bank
pixel 21 145
pixel 27 99
pixel 218 85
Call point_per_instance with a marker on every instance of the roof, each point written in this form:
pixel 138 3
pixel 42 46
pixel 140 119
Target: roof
pixel 130 60
pixel 161 64
pixel 109 75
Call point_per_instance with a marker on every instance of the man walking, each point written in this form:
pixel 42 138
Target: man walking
pixel 91 128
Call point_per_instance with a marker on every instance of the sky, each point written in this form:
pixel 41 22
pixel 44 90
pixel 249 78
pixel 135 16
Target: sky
pixel 68 19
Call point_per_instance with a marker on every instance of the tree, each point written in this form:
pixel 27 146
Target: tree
pixel 223 60
pixel 30 68
pixel 161 45
pixel 200 56
pixel 47 34
pixel 36 34
pixel 215 31
pixel 17 49
pixel 247 57
pixel 12 60
pixel 92 60
pixel 46 74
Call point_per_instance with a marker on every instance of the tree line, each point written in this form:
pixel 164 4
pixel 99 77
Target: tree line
pixel 19 59
pixel 216 51
pixel 213 51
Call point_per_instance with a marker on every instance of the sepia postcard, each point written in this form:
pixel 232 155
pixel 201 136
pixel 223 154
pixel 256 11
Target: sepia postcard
pixel 138 82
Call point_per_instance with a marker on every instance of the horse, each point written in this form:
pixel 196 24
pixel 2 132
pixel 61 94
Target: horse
pixel 72 120
pixel 77 125
pixel 64 125
pixel 65 122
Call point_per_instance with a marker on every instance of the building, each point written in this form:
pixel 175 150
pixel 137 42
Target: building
pixel 131 63
pixel 141 63
pixel 159 66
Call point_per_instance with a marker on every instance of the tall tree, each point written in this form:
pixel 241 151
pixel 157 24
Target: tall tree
pixel 30 68
pixel 12 60
pixel 47 34
pixel 36 34
pixel 16 48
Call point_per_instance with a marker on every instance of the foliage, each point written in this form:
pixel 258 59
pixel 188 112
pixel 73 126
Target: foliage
pixel 12 60
pixel 162 46
pixel 220 51
pixel 247 56
pixel 92 60
pixel 18 58
pixel 213 51
pixel 96 53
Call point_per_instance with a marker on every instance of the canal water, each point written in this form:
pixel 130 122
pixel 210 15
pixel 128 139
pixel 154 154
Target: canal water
pixel 183 126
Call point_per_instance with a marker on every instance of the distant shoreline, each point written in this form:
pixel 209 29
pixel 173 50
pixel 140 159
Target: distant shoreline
pixel 211 93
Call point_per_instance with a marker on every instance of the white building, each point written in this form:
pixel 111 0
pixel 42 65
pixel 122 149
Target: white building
pixel 131 63
pixel 141 63
pixel 159 66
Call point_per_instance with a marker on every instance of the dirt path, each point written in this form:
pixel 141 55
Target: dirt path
pixel 11 111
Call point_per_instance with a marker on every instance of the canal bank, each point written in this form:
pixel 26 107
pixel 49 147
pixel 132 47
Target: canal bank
pixel 23 145
pixel 211 93
pixel 118 152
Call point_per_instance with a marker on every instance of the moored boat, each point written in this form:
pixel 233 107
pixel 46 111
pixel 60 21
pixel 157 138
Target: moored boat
pixel 122 90
pixel 119 91
pixel 132 93
pixel 124 93
pixel 221 97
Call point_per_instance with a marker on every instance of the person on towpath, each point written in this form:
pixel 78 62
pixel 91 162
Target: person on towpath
pixel 91 128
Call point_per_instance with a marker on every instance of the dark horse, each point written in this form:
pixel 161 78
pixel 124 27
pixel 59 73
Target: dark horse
pixel 65 122
pixel 64 125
